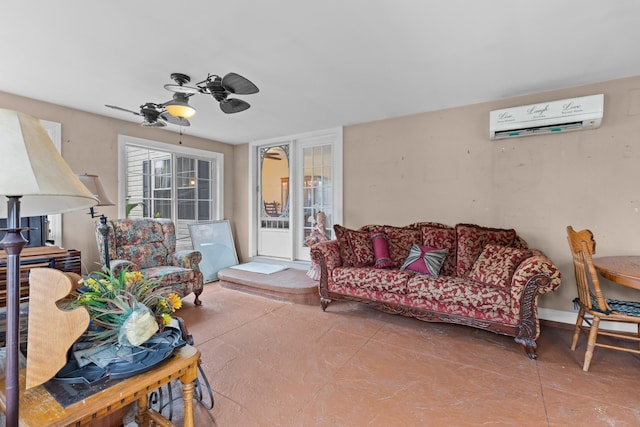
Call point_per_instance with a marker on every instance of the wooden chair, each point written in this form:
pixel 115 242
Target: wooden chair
pixel 271 208
pixel 593 306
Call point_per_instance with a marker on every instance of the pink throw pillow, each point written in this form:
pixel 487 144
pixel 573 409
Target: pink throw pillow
pixel 380 249
pixel 425 260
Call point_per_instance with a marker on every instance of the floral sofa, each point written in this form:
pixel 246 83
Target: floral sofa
pixel 477 276
pixel 149 246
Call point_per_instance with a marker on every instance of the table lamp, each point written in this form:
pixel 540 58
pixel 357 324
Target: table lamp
pixel 31 169
pixel 93 183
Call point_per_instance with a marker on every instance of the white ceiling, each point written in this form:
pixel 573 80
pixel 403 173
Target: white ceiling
pixel 318 64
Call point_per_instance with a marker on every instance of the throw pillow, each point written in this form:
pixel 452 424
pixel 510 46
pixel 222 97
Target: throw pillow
pixel 380 249
pixel 343 243
pixel 443 238
pixel 496 265
pixel 471 239
pixel 425 260
pixel 360 243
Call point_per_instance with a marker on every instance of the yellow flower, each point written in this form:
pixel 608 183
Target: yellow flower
pixel 174 301
pixel 132 277
pixel 91 284
pixel 85 298
pixel 166 318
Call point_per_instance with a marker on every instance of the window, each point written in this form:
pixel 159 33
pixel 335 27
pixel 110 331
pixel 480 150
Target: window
pixel 164 181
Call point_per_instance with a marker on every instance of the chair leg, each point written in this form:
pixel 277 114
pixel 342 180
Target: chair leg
pixel 576 331
pixel 197 301
pixel 593 335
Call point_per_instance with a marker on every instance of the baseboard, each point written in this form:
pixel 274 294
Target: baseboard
pixel 569 317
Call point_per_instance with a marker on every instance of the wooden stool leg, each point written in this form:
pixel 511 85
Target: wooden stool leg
pixel 142 417
pixel 187 396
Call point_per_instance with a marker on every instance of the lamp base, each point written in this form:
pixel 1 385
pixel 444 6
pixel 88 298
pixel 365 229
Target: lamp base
pixel 103 229
pixel 13 242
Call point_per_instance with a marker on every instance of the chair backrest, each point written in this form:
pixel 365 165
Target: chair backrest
pixel 271 208
pixel 146 242
pixel 582 248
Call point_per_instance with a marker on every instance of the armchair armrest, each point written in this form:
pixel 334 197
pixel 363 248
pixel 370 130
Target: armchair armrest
pixel 117 265
pixel 186 259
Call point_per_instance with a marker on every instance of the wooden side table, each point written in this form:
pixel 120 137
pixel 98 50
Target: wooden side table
pixel 39 408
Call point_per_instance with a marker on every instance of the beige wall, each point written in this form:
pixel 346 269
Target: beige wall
pixel 441 166
pixel 436 166
pixel 90 144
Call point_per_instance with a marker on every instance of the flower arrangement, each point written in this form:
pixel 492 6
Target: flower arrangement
pixel 124 307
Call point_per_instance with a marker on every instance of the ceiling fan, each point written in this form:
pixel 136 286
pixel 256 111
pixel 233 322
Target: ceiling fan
pixel 154 115
pixel 177 111
pixel 218 87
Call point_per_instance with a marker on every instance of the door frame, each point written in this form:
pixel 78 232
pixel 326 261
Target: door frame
pixel 294 221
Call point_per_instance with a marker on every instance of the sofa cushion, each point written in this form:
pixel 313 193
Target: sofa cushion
pixel 462 295
pixel 372 278
pixel 362 248
pixel 471 239
pixel 443 238
pixel 343 242
pixel 425 260
pixel 380 249
pixel 401 239
pixel 496 264
pixel 355 246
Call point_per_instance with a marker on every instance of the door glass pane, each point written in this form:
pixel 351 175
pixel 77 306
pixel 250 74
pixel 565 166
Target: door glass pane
pixel 317 188
pixel 274 185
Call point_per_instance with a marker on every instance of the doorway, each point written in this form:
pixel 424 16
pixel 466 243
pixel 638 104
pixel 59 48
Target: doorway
pixel 274 226
pixel 295 179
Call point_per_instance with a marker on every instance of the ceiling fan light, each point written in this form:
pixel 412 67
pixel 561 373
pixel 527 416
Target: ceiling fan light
pixel 181 111
pixel 179 107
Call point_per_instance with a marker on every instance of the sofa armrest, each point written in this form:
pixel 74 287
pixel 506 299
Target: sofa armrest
pixel 534 276
pixel 327 256
pixel 186 259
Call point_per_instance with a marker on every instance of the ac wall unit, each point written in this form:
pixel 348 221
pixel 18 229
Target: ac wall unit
pixel 547 117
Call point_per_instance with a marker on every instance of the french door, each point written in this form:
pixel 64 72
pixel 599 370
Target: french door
pixel 296 179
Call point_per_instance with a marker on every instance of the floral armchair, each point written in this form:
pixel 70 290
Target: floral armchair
pixel 149 246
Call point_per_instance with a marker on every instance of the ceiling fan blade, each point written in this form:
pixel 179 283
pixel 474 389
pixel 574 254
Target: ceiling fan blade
pixel 237 84
pixel 156 124
pixel 181 89
pixel 234 105
pixel 180 121
pixel 122 109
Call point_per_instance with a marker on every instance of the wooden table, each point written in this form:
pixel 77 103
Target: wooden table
pixel 39 408
pixel 624 270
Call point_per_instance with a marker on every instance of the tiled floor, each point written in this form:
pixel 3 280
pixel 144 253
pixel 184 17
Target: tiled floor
pixel 274 363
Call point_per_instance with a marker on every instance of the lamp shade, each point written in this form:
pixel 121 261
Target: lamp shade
pixel 94 185
pixel 179 106
pixel 31 167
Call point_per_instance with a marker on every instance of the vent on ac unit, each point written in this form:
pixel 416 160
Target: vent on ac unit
pixel 547 117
